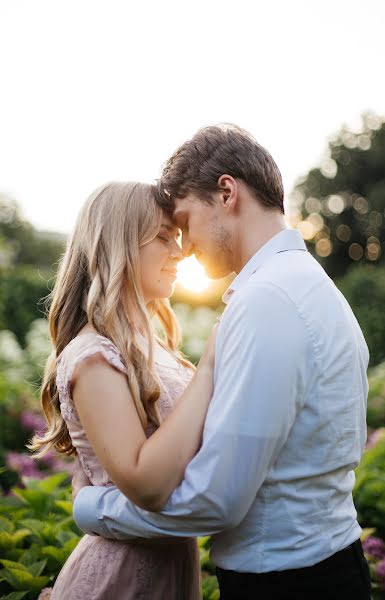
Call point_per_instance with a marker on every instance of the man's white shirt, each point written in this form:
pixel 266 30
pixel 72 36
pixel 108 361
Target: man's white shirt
pixel 285 429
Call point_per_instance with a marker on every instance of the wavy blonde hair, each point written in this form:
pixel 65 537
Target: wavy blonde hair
pixel 98 282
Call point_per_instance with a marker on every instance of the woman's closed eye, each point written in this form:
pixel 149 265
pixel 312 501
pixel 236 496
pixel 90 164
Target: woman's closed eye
pixel 164 239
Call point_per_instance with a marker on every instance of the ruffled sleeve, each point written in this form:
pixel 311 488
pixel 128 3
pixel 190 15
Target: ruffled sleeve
pixel 78 350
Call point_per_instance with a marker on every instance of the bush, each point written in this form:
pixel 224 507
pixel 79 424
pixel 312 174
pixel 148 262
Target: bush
pixel 376 398
pixel 21 291
pixel 369 491
pixel 21 371
pixel 37 534
pixel 364 289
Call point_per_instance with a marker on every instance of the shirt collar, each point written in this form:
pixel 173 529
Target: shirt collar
pixel 284 241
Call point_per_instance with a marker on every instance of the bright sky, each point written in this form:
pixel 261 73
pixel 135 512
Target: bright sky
pixel 98 90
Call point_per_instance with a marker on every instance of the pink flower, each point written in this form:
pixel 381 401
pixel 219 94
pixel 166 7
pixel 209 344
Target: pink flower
pixel 55 464
pixel 45 594
pixel 380 572
pixel 22 464
pixel 32 421
pixel 374 547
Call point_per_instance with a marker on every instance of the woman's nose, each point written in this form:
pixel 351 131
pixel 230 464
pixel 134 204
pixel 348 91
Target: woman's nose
pixel 176 251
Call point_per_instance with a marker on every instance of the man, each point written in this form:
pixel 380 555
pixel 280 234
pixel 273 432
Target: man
pixel 273 479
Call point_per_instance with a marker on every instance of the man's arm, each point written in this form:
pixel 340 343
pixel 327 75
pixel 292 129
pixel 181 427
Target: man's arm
pixel 262 355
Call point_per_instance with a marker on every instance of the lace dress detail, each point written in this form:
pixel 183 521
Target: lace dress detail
pixel 104 569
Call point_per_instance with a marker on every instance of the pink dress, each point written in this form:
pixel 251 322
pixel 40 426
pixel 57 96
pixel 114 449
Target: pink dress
pixel 104 569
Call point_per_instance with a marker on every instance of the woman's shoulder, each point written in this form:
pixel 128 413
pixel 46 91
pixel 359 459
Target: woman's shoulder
pixel 85 346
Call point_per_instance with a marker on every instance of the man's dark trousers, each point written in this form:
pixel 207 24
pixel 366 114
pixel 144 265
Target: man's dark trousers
pixel 343 576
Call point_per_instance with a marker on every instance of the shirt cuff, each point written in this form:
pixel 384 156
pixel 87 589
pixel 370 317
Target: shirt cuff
pixel 85 510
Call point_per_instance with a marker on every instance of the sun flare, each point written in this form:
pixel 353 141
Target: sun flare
pixel 191 275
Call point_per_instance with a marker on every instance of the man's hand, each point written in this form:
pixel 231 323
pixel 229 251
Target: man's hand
pixel 79 479
pixel 208 355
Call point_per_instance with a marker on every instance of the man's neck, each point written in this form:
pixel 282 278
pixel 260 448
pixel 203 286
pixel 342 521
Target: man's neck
pixel 251 239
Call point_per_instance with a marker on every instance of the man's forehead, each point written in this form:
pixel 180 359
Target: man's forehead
pixel 186 204
pixel 181 208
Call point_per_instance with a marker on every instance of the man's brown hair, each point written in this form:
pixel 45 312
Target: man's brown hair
pixel 217 150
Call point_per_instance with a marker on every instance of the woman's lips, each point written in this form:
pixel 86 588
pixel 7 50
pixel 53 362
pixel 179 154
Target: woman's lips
pixel 172 272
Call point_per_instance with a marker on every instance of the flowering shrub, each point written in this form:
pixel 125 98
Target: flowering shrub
pixel 37 532
pixel 374 549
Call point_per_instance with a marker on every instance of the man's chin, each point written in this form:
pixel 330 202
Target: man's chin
pixel 215 272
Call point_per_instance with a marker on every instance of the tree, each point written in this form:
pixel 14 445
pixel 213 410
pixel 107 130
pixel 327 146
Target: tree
pixel 21 243
pixel 26 260
pixel 339 206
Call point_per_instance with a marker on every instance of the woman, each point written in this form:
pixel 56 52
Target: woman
pixel 111 384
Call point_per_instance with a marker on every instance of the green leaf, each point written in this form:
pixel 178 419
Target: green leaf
pixel 33 525
pixel 6 541
pixel 52 483
pixel 37 568
pixel 22 580
pixel 40 502
pixel 9 504
pixel 15 554
pixel 65 505
pixel 58 554
pixel 11 540
pixel 30 556
pixel 64 536
pixel 19 535
pixel 14 596
pixel 209 586
pixel 71 545
pixel 10 564
pixel 6 525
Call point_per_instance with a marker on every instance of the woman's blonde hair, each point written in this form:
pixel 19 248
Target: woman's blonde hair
pixel 98 282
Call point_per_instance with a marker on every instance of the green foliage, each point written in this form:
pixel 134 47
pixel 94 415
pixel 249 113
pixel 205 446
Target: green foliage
pixel 369 491
pixel 21 244
pixel 196 324
pixel 13 398
pixel 26 260
pixel 376 399
pixel 210 590
pixel 342 202
pixel 21 292
pixel 37 534
pixel 364 288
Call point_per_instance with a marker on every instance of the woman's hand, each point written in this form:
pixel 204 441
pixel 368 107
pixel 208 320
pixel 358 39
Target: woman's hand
pixel 208 356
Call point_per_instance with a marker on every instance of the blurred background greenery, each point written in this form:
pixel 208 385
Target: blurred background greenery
pixel 339 208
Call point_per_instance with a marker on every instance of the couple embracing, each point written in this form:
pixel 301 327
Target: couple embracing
pixel 257 445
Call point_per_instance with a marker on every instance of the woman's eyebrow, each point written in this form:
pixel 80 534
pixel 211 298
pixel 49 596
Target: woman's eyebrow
pixel 171 228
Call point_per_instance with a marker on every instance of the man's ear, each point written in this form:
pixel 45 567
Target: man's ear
pixel 228 191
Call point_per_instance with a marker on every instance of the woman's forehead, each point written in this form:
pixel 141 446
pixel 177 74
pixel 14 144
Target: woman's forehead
pixel 168 223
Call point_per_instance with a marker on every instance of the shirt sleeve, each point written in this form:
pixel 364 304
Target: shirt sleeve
pixel 260 373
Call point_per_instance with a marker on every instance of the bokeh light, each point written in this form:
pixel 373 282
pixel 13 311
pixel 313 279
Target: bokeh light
pixel 192 276
pixel 324 247
pixel 356 251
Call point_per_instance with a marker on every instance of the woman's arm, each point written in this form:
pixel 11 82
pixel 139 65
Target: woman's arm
pixel 145 470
